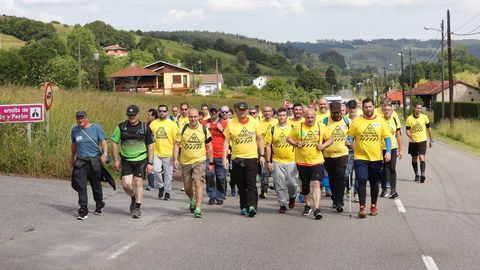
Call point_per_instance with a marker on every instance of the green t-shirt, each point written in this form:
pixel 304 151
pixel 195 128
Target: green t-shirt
pixel 133 140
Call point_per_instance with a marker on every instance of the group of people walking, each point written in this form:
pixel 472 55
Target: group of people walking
pixel 303 148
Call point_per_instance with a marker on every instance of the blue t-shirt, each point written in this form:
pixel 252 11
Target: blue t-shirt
pixel 85 147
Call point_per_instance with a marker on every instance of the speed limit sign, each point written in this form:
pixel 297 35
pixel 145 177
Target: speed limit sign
pixel 48 96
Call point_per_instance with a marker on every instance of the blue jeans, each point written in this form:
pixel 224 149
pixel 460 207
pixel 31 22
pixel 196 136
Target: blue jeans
pixel 217 181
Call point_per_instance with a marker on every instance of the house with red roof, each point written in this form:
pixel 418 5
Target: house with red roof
pixel 115 50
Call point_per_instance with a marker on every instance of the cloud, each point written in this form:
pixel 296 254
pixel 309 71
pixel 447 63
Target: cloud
pixel 281 7
pixel 368 3
pixel 175 16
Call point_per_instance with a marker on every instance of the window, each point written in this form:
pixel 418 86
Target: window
pixel 177 79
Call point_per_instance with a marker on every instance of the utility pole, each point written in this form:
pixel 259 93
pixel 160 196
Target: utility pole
pixel 385 81
pixel 79 65
pixel 403 88
pixel 450 71
pixel 216 71
pixel 442 26
pixel 410 63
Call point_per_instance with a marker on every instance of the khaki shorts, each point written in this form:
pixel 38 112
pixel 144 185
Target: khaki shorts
pixel 194 171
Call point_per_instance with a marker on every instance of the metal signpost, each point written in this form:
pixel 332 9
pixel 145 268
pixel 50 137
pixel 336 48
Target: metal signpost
pixel 48 101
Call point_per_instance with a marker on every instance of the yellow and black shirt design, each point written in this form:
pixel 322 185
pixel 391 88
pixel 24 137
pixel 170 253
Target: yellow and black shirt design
pixel 283 152
pixel 192 142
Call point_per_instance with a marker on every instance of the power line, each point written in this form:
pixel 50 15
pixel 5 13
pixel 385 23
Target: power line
pixel 467 22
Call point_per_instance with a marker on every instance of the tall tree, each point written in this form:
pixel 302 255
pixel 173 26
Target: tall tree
pixel 331 76
pixel 241 58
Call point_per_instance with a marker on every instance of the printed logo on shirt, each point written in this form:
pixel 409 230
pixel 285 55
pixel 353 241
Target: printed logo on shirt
pixel 193 143
pixel 79 138
pixel 281 141
pixel 161 134
pixel 338 134
pixel 417 128
pixel 369 135
pixel 311 140
pixel 244 137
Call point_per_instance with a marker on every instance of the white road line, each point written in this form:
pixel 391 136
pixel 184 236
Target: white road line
pixel 122 250
pixel 429 262
pixel 399 205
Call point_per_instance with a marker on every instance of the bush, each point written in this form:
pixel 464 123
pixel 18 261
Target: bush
pixel 469 110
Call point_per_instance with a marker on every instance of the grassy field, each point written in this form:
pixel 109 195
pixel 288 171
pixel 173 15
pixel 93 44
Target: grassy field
pixel 7 42
pixel 465 131
pixel 48 156
pixel 62 31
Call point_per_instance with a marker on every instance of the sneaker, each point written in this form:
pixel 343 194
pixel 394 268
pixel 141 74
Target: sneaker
pixel 291 202
pixel 334 205
pixel 301 198
pixel 167 196
pixel 417 178
pixel 160 192
pixel 271 187
pixel 233 192
pixel 307 210
pixel 355 198
pixel 211 201
pixel 132 204
pixel 422 179
pixel 384 193
pixel 282 209
pixel 317 214
pixel 263 195
pixel 252 211
pixel 99 208
pixel 136 213
pixel 243 212
pixel 182 189
pixel 393 194
pixel 149 188
pixel 82 214
pixel 362 213
pixel 347 193
pixel 328 194
pixel 373 210
pixel 192 205
pixel 198 212
pixel 339 208
pixel 220 202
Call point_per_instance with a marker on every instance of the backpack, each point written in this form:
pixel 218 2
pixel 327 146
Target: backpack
pixel 127 136
pixel 345 119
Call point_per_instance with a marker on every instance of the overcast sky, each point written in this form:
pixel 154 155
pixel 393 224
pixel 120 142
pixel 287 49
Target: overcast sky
pixel 273 20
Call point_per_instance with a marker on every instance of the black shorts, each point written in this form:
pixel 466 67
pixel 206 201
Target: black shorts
pixel 137 168
pixel 416 149
pixel 308 174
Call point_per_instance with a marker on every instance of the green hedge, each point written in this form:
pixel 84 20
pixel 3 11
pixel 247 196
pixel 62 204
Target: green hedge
pixel 469 110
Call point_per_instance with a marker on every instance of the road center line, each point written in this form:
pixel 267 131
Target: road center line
pixel 429 262
pixel 122 250
pixel 399 205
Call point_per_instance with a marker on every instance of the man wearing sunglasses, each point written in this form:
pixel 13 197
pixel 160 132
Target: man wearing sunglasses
pixel 183 117
pixel 136 148
pixel 164 131
pixel 85 160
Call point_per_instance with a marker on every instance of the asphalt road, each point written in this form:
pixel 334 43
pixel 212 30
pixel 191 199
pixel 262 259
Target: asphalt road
pixel 440 228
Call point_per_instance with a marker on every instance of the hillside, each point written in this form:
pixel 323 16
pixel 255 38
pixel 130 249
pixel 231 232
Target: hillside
pixel 8 41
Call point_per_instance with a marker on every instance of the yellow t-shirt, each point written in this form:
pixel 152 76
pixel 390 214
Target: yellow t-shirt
pixel 192 144
pixel 393 126
pixel 339 132
pixel 164 132
pixel 418 127
pixel 309 155
pixel 321 116
pixel 368 135
pixel 267 126
pixel 296 124
pixel 378 111
pixel 182 121
pixel 282 151
pixel 243 138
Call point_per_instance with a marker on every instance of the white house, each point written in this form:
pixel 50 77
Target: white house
pixel 261 81
pixel 209 84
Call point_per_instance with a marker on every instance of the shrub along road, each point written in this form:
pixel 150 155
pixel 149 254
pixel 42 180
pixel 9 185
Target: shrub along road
pixel 438 224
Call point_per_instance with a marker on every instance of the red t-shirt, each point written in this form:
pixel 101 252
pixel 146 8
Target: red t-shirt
pixel 218 138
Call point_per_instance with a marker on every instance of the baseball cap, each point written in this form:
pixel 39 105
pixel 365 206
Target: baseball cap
pixel 352 104
pixel 132 110
pixel 241 106
pixel 81 113
pixel 213 108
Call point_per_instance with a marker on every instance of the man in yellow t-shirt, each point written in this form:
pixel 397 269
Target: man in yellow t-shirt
pixel 282 165
pixel 310 139
pixel 367 132
pixel 323 109
pixel 195 143
pixel 417 126
pixel 297 115
pixel 379 110
pixel 336 155
pixel 164 130
pixel 266 125
pixel 183 117
pixel 246 140
pixel 389 168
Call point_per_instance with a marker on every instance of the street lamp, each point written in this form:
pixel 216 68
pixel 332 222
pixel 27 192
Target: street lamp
pixel 441 30
pixel 200 64
pixel 404 98
pixel 96 57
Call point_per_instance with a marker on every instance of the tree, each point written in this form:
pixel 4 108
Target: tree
pixel 62 71
pixel 253 69
pixel 140 58
pixel 299 68
pixel 199 44
pixel 310 80
pixel 241 58
pixel 333 58
pixel 12 67
pixel 331 76
pixel 36 55
pixel 152 45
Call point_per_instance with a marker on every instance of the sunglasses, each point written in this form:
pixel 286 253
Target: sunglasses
pixel 162 111
pixel 80 118
pixel 225 111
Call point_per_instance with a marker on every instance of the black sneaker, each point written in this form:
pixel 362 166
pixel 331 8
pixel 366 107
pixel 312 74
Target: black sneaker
pixel 422 179
pixel 82 214
pixel 252 211
pixel 317 214
pixel 262 195
pixel 340 208
pixel 334 205
pixel 393 194
pixel 160 192
pixel 307 210
pixel 99 208
pixel 136 213
pixel 220 202
pixel 282 209
pixel 328 194
pixel 271 187
pixel 132 204
pixel 291 202
pixel 417 178
pixel 211 201
pixel 384 193
pixel 167 196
